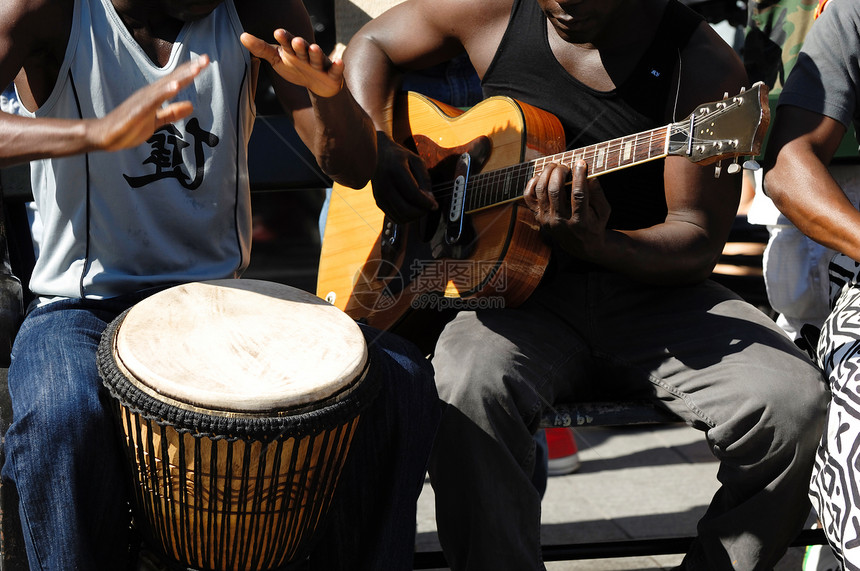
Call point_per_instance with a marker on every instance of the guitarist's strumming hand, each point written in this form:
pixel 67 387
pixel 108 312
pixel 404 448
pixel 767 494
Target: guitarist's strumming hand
pixel 401 184
pixel 575 217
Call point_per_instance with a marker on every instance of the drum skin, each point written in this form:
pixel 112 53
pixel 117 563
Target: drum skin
pixel 226 475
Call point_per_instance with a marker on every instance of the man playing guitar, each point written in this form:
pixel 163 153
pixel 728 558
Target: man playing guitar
pixel 625 307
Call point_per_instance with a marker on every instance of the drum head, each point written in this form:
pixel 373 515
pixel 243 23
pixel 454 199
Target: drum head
pixel 240 345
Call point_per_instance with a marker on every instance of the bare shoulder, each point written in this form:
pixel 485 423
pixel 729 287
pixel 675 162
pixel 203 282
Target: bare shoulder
pixel 33 36
pixel 456 16
pixel 412 30
pixel 709 68
pixel 262 17
pixel 36 20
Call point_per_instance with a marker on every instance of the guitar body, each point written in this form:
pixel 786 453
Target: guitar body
pixel 482 248
pixel 379 272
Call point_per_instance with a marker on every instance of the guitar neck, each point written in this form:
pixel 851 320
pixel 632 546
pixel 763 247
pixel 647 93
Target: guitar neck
pixel 508 184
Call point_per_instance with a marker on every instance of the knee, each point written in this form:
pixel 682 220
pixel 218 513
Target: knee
pixel 401 365
pixel 805 406
pixel 484 378
pixel 47 402
pixel 792 416
pixel 465 372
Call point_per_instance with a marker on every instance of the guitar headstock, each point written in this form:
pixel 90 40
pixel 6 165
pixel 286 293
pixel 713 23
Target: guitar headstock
pixel 726 129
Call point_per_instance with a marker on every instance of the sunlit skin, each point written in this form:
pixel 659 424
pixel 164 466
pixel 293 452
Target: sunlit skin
pixel 592 40
pixel 797 178
pixel 307 83
pixel 299 62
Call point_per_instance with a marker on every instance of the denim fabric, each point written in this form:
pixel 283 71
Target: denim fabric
pixel 62 453
pixel 373 521
pixel 699 350
pixel 454 82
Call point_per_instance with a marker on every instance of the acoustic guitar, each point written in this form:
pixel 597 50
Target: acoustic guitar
pixel 483 248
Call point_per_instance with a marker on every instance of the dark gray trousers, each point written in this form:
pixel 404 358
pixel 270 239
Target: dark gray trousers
pixel 711 358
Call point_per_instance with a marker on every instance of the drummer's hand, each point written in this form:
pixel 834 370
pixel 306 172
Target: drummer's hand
pixel 138 117
pixel 299 62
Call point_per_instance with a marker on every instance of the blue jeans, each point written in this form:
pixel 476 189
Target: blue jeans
pixel 454 82
pixel 63 457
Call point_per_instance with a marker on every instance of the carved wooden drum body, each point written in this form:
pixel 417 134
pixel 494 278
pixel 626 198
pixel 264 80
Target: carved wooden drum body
pixel 237 401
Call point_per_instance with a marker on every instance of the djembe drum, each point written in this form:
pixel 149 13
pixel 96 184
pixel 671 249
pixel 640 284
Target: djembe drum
pixel 236 402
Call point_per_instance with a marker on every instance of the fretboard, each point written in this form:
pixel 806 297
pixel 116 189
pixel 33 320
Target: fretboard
pixel 508 184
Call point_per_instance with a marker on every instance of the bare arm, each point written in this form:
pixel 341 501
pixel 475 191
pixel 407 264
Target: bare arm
pixel 801 146
pixel 31 48
pixel 414 35
pixel 312 90
pixel 701 208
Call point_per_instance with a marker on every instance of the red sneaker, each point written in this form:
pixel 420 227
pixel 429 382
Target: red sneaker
pixel 562 453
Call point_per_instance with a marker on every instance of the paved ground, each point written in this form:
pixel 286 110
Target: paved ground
pixel 634 483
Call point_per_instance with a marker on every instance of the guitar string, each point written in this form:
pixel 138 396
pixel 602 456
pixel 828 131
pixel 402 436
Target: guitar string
pixel 610 147
pixel 486 182
pixel 495 187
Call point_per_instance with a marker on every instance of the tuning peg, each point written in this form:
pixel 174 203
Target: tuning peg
pixel 718 169
pixel 734 168
pixel 751 165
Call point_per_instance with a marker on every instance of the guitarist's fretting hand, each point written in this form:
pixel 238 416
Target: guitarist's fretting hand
pixel 574 217
pixel 401 183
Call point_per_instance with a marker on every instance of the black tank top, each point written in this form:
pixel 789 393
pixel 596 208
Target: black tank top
pixel 525 61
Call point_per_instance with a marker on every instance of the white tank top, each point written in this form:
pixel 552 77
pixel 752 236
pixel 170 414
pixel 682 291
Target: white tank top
pixel 174 209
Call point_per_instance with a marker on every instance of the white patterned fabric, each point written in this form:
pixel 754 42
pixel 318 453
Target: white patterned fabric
pixel 835 488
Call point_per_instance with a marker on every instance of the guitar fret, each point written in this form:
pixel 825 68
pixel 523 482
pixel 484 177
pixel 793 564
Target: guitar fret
pixel 506 184
pixel 627 153
pixel 613 155
pixel 570 159
pixel 651 144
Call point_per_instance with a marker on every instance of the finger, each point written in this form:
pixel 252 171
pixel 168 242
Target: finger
pixel 191 69
pixel 559 199
pixel 173 112
pixel 181 77
pixel 252 43
pixel 258 47
pixel 530 197
pixel 317 57
pixel 335 71
pixel 284 38
pixel 421 179
pixel 300 48
pixel 395 203
pixel 413 197
pixel 578 194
